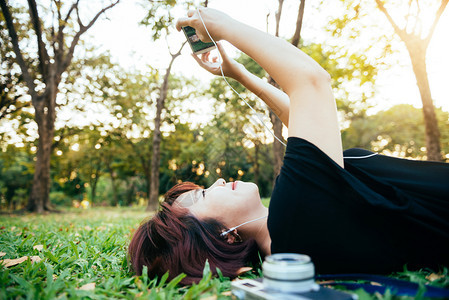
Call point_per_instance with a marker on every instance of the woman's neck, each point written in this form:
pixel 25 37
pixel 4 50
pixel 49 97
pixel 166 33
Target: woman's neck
pixel 258 231
pixel 263 238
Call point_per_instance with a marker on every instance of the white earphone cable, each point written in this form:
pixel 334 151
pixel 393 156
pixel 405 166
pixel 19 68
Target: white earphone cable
pixel 235 227
pixel 224 77
pixel 360 157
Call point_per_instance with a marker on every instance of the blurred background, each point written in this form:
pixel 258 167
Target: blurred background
pixel 102 104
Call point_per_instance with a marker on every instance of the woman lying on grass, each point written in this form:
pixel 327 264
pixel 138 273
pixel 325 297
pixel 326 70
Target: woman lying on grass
pixel 352 211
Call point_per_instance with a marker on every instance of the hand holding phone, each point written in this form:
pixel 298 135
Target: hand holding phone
pixel 198 47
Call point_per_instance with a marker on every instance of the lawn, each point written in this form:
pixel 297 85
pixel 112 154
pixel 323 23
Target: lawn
pixel 82 254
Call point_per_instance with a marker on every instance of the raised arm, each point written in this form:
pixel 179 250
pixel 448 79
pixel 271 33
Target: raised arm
pixel 276 99
pixel 313 114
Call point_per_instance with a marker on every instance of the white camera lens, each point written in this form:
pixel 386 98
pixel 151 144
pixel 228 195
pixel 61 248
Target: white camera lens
pixel 289 273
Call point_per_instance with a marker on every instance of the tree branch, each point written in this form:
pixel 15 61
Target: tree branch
pixel 436 20
pixel 76 38
pixel 64 132
pixel 62 25
pixel 408 15
pixel 278 16
pixel 401 32
pixel 66 19
pixel 53 32
pixel 15 43
pixel 418 25
pixel 179 51
pixel 297 35
pixel 80 23
pixel 42 51
pixel 5 105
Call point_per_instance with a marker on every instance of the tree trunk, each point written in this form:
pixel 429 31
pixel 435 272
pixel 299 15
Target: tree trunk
pixel 153 199
pixel 418 58
pixel 9 196
pixel 93 185
pixel 49 74
pixel 39 197
pixel 114 186
pixel 44 107
pixel 256 163
pixel 297 35
pixel 277 123
pixel 417 47
pixel 278 148
pixel 146 166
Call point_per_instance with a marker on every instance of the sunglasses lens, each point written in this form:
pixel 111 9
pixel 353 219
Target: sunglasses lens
pixel 188 199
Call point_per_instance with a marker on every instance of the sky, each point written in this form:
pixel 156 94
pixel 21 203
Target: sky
pixel 131 46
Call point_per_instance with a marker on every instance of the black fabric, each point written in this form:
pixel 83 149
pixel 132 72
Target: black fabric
pixel 374 216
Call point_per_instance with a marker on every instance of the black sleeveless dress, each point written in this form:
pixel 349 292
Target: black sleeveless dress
pixel 374 216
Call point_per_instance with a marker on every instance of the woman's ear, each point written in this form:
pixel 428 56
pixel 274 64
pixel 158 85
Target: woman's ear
pixel 233 237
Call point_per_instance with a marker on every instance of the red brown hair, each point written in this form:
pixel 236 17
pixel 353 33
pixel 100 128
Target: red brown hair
pixel 177 242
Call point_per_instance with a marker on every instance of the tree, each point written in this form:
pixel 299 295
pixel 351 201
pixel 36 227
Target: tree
pixel 90 158
pixel 236 140
pixel 153 201
pixel 134 100
pixel 11 98
pixel 278 149
pixel 54 56
pixel 413 32
pixel 396 131
pixel 159 17
pixel 417 43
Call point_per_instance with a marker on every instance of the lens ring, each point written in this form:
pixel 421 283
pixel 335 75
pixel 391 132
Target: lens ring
pixel 288 259
pixel 288 272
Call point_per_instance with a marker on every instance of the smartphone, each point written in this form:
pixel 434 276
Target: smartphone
pixel 195 43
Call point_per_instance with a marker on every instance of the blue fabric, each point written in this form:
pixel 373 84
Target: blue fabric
pixel 396 286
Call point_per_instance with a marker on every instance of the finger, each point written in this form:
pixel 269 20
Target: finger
pixel 198 60
pixel 206 56
pixel 182 22
pixel 221 49
pixel 191 12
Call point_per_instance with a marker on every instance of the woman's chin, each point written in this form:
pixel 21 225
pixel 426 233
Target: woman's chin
pixel 253 189
pixel 249 186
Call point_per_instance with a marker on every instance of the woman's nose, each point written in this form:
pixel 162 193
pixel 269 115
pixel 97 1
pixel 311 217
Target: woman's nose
pixel 219 182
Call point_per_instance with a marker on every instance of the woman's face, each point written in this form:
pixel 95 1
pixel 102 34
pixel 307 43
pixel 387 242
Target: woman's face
pixel 231 203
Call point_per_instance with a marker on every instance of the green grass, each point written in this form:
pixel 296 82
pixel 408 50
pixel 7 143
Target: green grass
pixel 84 249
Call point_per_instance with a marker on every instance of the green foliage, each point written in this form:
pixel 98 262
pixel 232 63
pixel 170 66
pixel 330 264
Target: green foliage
pixel 11 82
pixel 398 131
pixel 80 248
pixel 16 174
pixel 160 15
pixel 238 146
pixel 60 198
pixel 108 162
pixel 360 19
pixel 82 254
pixel 353 76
